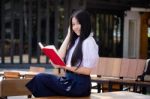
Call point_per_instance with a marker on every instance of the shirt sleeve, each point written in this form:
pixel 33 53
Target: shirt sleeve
pixel 90 53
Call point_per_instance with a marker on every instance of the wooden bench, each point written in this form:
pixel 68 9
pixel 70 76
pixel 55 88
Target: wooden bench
pixel 12 82
pixel 108 68
pixel 13 87
pixel 130 70
pixel 111 70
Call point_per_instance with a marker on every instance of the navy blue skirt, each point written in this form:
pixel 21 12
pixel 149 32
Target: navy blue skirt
pixel 72 84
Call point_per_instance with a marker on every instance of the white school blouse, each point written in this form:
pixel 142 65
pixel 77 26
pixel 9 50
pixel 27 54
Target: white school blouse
pixel 90 52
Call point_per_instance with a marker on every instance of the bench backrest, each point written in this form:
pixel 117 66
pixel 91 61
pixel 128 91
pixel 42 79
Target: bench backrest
pixel 109 67
pixel 11 75
pixel 128 68
pixel 94 70
pixel 112 68
pixel 101 66
pixel 119 67
pixel 36 69
pixel 141 66
pixel 131 68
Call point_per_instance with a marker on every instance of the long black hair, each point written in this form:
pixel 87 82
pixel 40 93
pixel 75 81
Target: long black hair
pixel 83 18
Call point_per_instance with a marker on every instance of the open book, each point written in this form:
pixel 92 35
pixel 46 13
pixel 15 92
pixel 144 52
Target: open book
pixel 51 52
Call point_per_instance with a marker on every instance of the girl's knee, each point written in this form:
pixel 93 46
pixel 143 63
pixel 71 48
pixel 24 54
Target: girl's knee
pixel 39 76
pixel 43 76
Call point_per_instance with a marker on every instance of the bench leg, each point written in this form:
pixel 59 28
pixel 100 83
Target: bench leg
pixel 98 87
pixel 144 90
pixel 29 96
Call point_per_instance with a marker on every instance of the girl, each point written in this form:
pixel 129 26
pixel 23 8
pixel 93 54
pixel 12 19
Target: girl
pixel 80 53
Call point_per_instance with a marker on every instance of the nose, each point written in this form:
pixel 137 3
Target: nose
pixel 76 26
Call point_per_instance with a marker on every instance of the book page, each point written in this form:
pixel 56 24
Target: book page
pixel 41 45
pixel 49 46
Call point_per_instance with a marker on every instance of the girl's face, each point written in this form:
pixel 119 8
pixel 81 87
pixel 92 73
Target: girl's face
pixel 76 26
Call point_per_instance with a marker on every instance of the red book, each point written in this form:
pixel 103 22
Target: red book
pixel 51 53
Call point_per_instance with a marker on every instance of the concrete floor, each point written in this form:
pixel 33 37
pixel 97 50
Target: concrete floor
pixel 17 97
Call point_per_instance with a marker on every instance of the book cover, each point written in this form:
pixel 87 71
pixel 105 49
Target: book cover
pixel 51 53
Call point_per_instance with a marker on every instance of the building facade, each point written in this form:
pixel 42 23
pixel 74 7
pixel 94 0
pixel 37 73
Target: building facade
pixel 119 30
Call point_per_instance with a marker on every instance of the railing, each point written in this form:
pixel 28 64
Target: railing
pixel 23 24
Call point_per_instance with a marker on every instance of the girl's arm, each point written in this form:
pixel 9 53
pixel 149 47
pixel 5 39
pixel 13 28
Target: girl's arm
pixel 63 47
pixel 80 70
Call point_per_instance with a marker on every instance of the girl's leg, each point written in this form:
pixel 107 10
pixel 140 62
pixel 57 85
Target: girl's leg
pixel 45 85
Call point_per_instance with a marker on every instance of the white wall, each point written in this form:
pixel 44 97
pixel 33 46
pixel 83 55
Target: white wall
pixel 131 41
